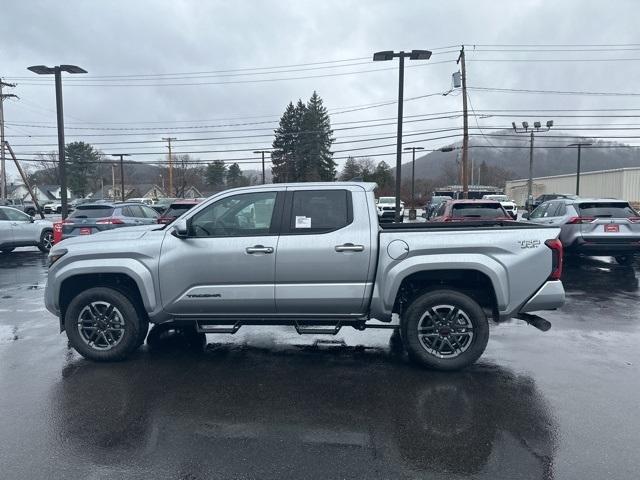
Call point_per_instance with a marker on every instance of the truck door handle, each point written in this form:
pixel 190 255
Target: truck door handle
pixel 349 247
pixel 259 249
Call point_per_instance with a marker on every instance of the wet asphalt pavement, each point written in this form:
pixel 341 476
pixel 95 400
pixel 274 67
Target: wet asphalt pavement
pixel 267 403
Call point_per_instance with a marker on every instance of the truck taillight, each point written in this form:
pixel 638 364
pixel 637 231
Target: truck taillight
pixel 579 220
pixel 109 221
pixel 557 258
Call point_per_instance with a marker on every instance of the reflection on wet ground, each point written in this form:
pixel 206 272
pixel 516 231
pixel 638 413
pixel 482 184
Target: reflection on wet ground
pixel 267 403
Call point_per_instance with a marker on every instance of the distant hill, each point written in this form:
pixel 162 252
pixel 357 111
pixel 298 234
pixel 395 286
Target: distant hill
pixel 547 161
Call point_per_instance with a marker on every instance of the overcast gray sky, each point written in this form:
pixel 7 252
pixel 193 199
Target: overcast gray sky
pixel 175 39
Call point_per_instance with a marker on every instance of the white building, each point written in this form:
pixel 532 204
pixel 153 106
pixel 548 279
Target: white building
pixel 621 183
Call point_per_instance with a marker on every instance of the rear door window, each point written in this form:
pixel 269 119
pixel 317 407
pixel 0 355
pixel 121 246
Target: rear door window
pixel 134 211
pixel 540 211
pixel 314 211
pixel 477 210
pixel 606 210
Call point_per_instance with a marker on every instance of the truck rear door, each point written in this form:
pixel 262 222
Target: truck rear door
pixel 324 252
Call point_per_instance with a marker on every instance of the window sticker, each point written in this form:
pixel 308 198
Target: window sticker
pixel 303 222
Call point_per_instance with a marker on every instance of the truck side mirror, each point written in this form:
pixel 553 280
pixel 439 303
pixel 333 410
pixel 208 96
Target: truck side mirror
pixel 180 228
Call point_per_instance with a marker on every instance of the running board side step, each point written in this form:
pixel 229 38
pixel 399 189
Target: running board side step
pixel 303 329
pixel 535 321
pixel 209 328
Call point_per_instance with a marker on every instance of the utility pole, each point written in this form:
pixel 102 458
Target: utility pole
pixel 579 145
pixel 31 191
pixel 113 181
pixel 121 156
pixel 465 127
pixel 412 211
pixel 262 152
pixel 537 127
pixel 3 167
pixel 169 140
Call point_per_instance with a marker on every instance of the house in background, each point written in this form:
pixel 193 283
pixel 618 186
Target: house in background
pixel 44 193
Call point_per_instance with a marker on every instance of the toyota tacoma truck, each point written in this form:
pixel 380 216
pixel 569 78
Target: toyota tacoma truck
pixel 310 255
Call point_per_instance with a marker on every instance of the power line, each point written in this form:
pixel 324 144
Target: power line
pixel 556 92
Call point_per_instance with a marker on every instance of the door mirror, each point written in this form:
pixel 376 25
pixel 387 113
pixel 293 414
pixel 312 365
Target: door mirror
pixel 31 219
pixel 180 228
pixel 525 215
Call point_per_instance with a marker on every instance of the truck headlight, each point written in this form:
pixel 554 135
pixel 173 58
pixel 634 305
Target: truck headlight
pixel 55 256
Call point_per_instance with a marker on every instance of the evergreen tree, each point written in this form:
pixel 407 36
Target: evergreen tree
pixel 383 176
pixel 82 167
pixel 350 170
pixel 235 177
pixel 302 144
pixel 283 155
pixel 315 143
pixel 215 173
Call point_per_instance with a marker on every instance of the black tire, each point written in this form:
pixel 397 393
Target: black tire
pixel 59 210
pixel 625 259
pixel 46 241
pixel 130 331
pixel 7 249
pixel 469 321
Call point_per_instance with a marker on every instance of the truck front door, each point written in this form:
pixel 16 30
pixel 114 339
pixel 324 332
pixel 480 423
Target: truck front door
pixel 226 264
pixel 323 261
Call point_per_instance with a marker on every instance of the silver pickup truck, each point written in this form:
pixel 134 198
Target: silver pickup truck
pixel 310 255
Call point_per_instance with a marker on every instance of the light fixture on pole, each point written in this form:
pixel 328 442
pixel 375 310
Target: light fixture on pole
pixel 120 156
pixel 390 55
pixel 262 152
pixel 579 145
pixel 537 127
pixel 412 211
pixel 57 72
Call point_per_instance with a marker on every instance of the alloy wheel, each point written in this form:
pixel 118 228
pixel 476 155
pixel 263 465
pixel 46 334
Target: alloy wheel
pixel 445 331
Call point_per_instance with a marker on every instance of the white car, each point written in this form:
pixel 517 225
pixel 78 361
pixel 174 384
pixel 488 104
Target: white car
pixel 509 205
pixel 17 229
pixel 53 207
pixel 387 208
pixel 145 201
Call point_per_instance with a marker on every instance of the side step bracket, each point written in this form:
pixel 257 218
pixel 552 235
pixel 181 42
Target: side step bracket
pixel 315 330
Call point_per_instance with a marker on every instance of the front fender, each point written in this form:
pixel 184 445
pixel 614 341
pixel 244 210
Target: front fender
pixel 138 272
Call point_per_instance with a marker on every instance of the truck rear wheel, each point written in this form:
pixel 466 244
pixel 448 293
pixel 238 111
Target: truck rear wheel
pixel 102 324
pixel 444 330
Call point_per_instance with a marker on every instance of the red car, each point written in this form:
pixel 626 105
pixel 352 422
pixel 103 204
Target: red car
pixel 470 211
pixel 176 209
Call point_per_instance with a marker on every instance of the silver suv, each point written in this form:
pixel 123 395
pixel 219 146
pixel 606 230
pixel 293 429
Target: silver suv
pixel 593 226
pixel 17 229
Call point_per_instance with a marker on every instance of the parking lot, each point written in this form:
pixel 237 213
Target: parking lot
pixel 267 403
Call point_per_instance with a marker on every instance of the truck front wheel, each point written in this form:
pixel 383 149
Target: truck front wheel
pixel 102 324
pixel 444 330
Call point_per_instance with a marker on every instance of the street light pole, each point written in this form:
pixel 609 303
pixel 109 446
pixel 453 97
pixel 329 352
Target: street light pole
pixel 57 72
pixel 262 152
pixel 579 145
pixel 121 156
pixel 537 127
pixel 390 55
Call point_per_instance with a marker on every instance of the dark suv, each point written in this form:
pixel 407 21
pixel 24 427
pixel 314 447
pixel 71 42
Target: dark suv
pixel 96 217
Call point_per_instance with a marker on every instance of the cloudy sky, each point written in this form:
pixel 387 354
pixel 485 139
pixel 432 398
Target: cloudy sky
pixel 217 74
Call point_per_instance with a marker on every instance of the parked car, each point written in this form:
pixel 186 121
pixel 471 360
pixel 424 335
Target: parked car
pixel 593 226
pixel 27 206
pixel 176 209
pixel 17 229
pixel 434 203
pixel 56 207
pixel 470 210
pixel 143 200
pixel 531 205
pixel 311 255
pixel 386 207
pixel 509 205
pixel 97 217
